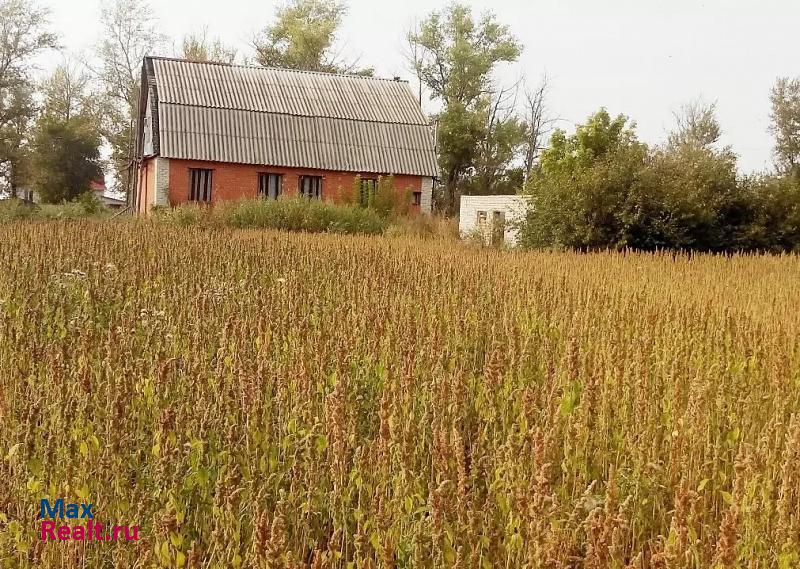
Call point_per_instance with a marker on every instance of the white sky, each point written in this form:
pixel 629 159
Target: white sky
pixel 643 58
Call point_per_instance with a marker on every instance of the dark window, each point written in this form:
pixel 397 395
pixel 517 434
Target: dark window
pixel 199 185
pixel 311 187
pixel 416 198
pixel 367 191
pixel 270 186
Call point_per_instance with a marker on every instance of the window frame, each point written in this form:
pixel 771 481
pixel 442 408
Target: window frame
pixel 416 198
pixel 204 195
pixel 318 190
pixel 266 187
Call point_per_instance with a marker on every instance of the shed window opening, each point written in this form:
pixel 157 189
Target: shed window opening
pixel 311 187
pixel 200 182
pixel 416 198
pixel 270 186
pixel 367 191
pixel 481 219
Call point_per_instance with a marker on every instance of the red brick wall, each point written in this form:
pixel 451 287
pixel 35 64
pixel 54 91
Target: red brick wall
pixel 239 181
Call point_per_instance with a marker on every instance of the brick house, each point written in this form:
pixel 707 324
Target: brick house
pixel 209 132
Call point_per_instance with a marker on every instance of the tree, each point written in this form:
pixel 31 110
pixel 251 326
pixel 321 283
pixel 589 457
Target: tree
pixel 67 93
pixel 696 125
pixel 601 188
pixel 24 34
pixel 66 158
pixel 198 47
pixel 500 139
pixel 455 57
pixel 129 33
pixel 15 137
pixel 66 147
pixel 584 192
pixel 303 36
pixel 538 126
pixel 785 98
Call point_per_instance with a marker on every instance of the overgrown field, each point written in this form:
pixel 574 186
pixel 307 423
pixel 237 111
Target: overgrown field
pixel 260 399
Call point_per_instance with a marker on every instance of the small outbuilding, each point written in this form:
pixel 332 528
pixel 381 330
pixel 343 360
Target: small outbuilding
pixel 494 219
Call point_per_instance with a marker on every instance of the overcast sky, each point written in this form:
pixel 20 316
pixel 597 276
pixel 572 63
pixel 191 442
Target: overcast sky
pixel 643 58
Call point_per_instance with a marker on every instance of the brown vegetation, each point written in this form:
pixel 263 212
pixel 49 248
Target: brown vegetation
pixel 264 399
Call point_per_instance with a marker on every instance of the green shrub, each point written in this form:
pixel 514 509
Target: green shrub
pixel 85 205
pixel 14 209
pixel 289 214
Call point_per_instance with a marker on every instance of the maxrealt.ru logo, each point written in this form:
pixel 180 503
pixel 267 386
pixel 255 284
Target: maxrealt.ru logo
pixel 90 531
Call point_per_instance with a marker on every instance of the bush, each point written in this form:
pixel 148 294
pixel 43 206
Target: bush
pixel 290 214
pixel 85 205
pixel 424 227
pixel 14 209
pixel 602 189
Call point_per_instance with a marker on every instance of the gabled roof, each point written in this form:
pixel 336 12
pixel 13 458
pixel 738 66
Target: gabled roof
pixel 280 117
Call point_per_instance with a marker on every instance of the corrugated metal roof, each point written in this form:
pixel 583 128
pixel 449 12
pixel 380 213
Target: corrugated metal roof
pixel 284 91
pixel 279 117
pixel 247 137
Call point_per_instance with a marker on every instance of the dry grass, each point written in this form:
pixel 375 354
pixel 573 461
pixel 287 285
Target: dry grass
pixel 256 399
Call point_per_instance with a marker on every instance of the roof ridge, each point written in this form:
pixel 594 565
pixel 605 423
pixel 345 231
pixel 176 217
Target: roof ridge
pixel 244 66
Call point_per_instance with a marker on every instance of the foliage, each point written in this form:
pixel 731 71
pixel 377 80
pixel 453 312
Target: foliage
pixel 697 125
pixel 499 146
pixel 384 198
pixel 68 93
pixel 66 157
pixel 262 399
pixel 290 214
pixel 128 34
pixel 776 213
pixel 303 37
pixel 82 207
pixel 198 47
pixel 456 57
pixel 24 34
pixel 15 160
pixel 424 227
pixel 785 99
pixel 15 209
pixel 583 196
pixel 601 188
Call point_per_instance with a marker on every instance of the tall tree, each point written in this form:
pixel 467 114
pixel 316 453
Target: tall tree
pixel 66 158
pixel 15 134
pixel 199 47
pixel 303 36
pixel 66 147
pixel 538 126
pixel 24 33
pixel 67 93
pixel 501 138
pixel 128 34
pixel 785 98
pixel 456 56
